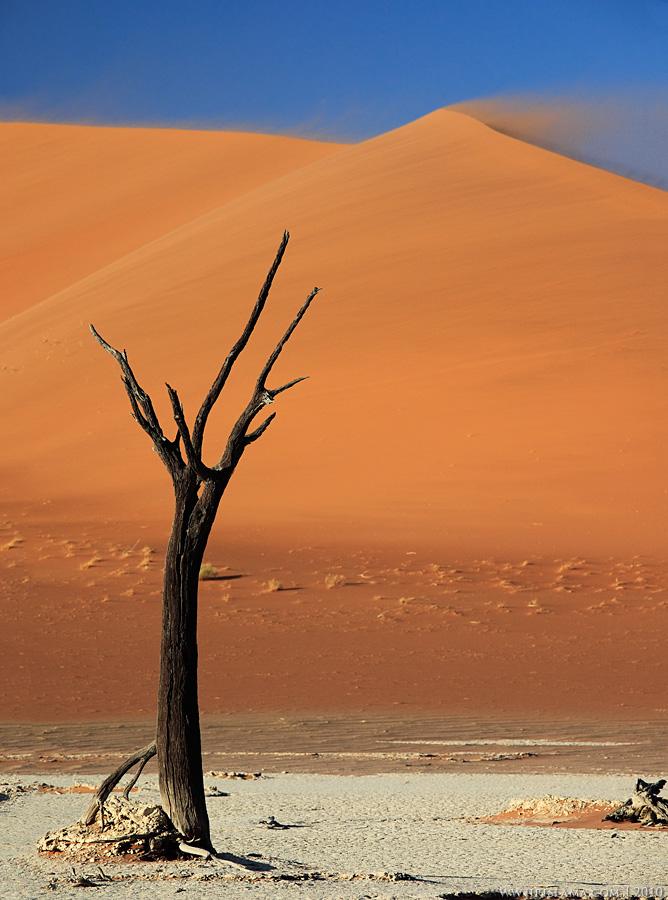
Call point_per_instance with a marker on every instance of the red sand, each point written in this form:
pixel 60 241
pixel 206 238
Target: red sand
pixel 591 816
pixel 488 388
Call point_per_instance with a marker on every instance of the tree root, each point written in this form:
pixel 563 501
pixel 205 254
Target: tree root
pixel 132 831
pixel 191 850
pixel 107 786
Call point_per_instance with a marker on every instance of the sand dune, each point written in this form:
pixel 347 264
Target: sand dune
pixel 76 198
pixel 487 359
pixel 477 462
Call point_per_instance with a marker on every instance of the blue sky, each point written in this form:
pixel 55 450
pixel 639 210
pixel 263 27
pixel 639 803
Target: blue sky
pixel 340 68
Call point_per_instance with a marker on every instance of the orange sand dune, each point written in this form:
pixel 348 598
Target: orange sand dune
pixel 487 361
pixel 76 198
pixel 479 452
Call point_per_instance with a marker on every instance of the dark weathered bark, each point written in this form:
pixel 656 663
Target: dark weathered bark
pixel 178 731
pixel 645 806
pixel 198 490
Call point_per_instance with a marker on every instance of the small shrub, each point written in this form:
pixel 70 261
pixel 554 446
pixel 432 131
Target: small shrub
pixel 274 585
pixel 207 572
pixel 332 581
pixel 145 561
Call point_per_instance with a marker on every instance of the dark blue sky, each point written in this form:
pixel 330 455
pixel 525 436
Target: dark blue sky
pixel 346 68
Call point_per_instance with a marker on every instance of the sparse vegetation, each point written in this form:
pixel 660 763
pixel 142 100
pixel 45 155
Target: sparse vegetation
pixel 145 561
pixel 332 580
pixel 207 572
pixel 273 585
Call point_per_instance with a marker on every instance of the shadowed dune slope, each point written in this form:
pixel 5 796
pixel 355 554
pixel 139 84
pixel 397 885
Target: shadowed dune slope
pixel 487 360
pixel 76 198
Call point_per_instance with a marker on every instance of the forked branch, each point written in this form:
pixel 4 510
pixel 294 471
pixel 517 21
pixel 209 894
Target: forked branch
pixel 142 407
pixel 232 356
pixel 194 459
pixel 239 438
pixel 262 396
pixel 269 365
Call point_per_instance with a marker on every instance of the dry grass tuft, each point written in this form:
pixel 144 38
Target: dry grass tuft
pixel 14 542
pixel 91 562
pixel 207 572
pixel 332 580
pixel 129 551
pixel 273 585
pixel 145 561
pixel 535 609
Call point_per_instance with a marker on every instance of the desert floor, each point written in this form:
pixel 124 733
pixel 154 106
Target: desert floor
pixel 405 836
pixel 287 625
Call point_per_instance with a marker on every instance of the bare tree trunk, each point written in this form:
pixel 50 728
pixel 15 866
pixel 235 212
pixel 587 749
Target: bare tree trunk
pixel 178 731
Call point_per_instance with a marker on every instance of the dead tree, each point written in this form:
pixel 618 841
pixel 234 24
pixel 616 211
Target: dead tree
pixel 198 489
pixel 645 806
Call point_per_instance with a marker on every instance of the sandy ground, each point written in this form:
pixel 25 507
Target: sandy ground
pixel 400 630
pixel 403 836
pixel 345 743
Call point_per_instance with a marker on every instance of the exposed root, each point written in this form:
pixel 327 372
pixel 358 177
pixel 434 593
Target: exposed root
pixel 128 830
pixel 191 850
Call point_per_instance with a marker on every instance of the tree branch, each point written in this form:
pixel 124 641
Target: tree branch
pixel 268 366
pixel 223 374
pixel 254 435
pixel 276 391
pixel 142 407
pixel 141 756
pixel 239 438
pixel 262 396
pixel 193 457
